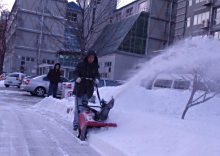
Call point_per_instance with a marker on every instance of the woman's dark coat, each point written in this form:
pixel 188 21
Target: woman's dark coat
pixel 54 75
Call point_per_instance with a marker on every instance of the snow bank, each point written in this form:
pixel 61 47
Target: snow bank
pixel 2 83
pixel 63 107
pixel 149 123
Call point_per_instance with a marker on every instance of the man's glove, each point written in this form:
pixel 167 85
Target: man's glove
pixel 96 81
pixel 78 80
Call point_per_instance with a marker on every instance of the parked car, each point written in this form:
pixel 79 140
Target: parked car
pixel 173 81
pixel 14 79
pixel 3 76
pixel 40 85
pixel 103 83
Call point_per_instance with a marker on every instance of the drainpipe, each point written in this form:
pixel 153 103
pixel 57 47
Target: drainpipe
pixel 186 10
pixel 170 21
pixel 211 18
pixel 148 27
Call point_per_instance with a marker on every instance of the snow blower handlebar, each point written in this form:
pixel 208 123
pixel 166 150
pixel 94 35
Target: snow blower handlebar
pixel 102 102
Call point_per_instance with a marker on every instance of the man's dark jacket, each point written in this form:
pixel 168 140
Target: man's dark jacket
pixel 54 75
pixel 85 70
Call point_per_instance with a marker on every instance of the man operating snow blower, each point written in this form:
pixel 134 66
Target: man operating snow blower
pixel 87 75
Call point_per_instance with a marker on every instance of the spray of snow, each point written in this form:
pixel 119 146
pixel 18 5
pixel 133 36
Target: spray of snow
pixel 183 57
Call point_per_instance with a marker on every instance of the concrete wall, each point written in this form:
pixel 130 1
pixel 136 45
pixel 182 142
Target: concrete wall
pixel 125 66
pixel 28 37
pixel 105 69
pixel 122 65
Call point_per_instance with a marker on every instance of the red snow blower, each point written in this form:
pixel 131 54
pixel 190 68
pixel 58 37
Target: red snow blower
pixel 91 117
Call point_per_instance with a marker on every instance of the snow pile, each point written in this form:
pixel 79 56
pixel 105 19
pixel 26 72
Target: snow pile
pixel 2 83
pixel 64 107
pixel 149 123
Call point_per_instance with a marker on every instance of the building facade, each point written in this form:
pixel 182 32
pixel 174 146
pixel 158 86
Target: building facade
pixel 96 14
pixel 197 17
pixel 35 34
pixel 137 32
pixel 69 56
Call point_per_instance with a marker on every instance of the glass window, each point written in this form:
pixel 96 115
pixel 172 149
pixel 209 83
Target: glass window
pixel 190 2
pixel 23 75
pixel 45 79
pixel 188 22
pixel 217 16
pixel 27 58
pixel 13 75
pixel 198 1
pixel 217 35
pixel 200 18
pixel 108 64
pixel 48 61
pixel 144 6
pixel 181 84
pixel 118 16
pixel 195 20
pixel 163 83
pixel 111 83
pixel 101 83
pixel 129 11
pixel 63 79
pixel 135 40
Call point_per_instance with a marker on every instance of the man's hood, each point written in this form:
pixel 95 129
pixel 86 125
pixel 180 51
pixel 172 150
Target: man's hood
pixel 91 52
pixel 55 66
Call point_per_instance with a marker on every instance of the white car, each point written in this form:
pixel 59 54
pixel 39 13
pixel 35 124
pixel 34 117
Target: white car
pixel 173 81
pixel 14 79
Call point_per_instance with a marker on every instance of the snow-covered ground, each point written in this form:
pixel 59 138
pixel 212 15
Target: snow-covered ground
pixel 149 123
pixel 26 131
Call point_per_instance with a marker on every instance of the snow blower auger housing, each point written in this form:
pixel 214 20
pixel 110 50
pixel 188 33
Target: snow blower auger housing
pixel 90 117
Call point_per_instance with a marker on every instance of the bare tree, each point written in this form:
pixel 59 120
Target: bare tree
pixel 3 31
pixel 95 15
pixel 206 91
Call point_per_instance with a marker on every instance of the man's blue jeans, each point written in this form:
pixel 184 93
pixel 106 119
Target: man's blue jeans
pixel 52 90
pixel 79 102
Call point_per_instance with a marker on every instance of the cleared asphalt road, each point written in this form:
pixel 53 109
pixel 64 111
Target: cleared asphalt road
pixel 24 131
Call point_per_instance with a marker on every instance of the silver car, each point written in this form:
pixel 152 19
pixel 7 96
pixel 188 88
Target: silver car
pixel 14 79
pixel 40 85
